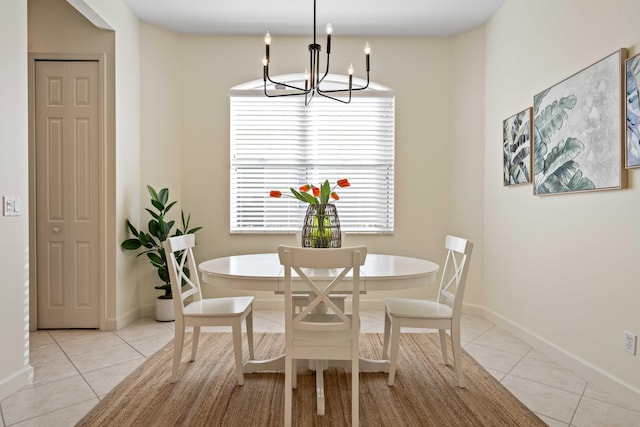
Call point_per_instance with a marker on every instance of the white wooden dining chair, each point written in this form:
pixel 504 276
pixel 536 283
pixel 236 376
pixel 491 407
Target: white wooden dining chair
pixel 442 314
pixel 333 335
pixel 197 312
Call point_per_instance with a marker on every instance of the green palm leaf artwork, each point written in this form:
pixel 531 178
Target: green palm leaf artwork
pixel 516 144
pixel 577 131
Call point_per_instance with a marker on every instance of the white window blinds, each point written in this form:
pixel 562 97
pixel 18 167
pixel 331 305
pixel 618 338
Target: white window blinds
pixel 278 143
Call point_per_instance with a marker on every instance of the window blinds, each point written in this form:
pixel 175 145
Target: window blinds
pixel 278 143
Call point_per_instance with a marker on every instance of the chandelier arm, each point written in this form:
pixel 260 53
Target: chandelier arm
pixel 336 99
pixel 346 90
pixel 283 84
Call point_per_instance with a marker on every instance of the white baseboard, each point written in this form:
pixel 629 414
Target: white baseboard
pixel 623 391
pixel 15 382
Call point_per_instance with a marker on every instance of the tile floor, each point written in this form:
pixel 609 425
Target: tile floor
pixel 74 369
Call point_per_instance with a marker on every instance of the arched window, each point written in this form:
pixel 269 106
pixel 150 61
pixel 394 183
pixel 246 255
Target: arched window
pixel 278 143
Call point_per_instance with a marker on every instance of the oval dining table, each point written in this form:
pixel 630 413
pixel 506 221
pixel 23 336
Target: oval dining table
pixel 263 272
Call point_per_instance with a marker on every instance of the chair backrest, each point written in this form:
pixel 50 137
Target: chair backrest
pixel 454 273
pixel 183 270
pixel 320 272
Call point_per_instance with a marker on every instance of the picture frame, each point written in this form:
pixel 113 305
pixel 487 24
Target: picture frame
pixel 516 148
pixel 632 112
pixel 578 132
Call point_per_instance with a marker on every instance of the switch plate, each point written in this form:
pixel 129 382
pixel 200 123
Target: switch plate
pixel 11 206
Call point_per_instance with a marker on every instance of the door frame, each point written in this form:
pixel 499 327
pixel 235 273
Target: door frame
pixel 102 183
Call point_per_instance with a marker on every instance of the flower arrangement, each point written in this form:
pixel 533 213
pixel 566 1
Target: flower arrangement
pixel 318 195
pixel 321 228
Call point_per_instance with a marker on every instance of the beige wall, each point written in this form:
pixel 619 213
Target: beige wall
pixel 161 140
pixel 560 269
pixel 124 163
pixel 15 371
pixel 418 69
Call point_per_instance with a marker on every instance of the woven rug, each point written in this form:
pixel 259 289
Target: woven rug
pixel 207 394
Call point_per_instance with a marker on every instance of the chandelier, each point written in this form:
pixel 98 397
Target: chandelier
pixel 312 78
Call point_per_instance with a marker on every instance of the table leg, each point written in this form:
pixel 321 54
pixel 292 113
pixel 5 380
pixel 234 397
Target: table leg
pixel 273 364
pixel 321 365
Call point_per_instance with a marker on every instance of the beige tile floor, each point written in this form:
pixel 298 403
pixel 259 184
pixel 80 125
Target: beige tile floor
pixel 74 369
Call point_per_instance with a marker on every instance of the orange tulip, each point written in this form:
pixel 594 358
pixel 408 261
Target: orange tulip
pixel 343 183
pixel 335 196
pixel 316 191
pixel 305 188
pixel 275 193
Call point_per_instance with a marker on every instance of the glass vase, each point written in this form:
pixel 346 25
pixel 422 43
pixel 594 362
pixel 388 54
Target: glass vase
pixel 321 228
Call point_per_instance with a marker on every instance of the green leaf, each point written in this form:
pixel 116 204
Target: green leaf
pixel 132 229
pixel 550 120
pixel 152 192
pixel 169 206
pixel 131 244
pixel 193 230
pixel 561 154
pixel 163 196
pixel 155 258
pixel 152 213
pixel 325 191
pixel 154 228
pixel 158 205
pixel 579 183
pixel 304 197
pixel 537 101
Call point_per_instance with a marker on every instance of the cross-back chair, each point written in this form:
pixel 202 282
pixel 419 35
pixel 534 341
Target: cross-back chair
pixel 332 334
pixel 442 314
pixel 192 310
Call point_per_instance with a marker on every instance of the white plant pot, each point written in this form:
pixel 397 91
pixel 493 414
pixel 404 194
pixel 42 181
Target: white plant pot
pixel 164 310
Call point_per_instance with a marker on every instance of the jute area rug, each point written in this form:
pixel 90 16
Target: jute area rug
pixel 207 393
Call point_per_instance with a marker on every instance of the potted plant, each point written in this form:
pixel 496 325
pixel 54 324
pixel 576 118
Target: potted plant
pixel 158 230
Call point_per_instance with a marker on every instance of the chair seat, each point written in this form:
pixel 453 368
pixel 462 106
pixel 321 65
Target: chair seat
pixel 218 306
pixel 318 338
pixel 417 309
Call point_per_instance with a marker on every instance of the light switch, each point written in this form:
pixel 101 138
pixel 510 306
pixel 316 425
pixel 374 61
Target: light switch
pixel 11 206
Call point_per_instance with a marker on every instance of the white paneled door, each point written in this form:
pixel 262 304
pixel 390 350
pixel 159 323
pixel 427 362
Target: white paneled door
pixel 67 161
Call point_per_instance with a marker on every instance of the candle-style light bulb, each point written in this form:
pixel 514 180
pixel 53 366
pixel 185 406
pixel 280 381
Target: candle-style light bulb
pixel 306 80
pixel 367 51
pixel 329 29
pixel 265 62
pixel 351 69
pixel 267 43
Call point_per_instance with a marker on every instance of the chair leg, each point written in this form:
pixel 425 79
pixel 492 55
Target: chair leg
pixel 249 322
pixel 236 330
pixel 355 390
pixel 294 376
pixel 387 330
pixel 443 345
pixel 194 344
pixel 178 342
pixel 457 355
pixel 288 393
pixel 395 345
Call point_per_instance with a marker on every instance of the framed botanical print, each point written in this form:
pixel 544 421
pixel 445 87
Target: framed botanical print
pixel 516 148
pixel 578 137
pixel 632 113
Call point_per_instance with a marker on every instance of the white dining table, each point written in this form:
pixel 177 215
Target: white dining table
pixel 263 272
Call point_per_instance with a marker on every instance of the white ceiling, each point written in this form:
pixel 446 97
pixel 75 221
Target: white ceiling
pixel 295 17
